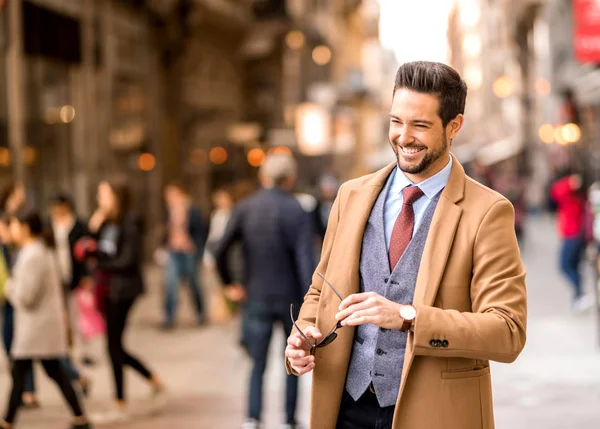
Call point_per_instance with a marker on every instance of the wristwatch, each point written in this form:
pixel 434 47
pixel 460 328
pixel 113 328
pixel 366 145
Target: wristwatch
pixel 408 314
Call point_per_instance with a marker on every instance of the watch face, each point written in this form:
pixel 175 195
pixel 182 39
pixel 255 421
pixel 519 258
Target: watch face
pixel 408 312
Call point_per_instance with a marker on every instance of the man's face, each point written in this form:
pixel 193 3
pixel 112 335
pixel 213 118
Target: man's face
pixel 417 136
pixel 59 212
pixel 173 196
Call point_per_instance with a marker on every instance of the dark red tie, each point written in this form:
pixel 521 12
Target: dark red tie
pixel 404 226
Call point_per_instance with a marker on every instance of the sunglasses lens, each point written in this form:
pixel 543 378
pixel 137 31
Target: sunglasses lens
pixel 328 339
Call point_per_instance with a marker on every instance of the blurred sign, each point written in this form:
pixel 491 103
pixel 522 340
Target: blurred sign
pixel 587 30
pixel 244 132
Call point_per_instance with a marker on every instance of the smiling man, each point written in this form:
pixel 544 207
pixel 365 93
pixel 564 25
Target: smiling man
pixel 427 265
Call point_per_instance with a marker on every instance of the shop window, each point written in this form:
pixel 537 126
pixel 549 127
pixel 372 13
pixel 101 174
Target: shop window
pixel 50 34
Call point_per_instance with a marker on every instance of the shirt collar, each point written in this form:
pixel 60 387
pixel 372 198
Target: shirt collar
pixel 430 187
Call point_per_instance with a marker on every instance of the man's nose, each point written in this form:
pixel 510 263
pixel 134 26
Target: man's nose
pixel 403 136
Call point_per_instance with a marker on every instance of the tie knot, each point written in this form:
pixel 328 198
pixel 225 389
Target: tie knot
pixel 411 194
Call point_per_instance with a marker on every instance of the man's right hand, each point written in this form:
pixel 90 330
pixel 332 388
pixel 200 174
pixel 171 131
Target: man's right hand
pixel 297 351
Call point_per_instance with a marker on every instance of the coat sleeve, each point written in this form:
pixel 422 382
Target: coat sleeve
pixel 25 288
pixel 495 329
pixel 308 312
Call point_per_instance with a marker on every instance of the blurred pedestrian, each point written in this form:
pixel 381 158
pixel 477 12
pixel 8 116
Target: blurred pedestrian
pixel 429 284
pixel 35 292
pixel 67 231
pixel 118 275
pixel 223 205
pixel 12 200
pixel 186 238
pixel 570 198
pixel 276 236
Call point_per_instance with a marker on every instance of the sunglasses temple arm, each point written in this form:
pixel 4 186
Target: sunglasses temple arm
pixel 310 343
pixel 331 286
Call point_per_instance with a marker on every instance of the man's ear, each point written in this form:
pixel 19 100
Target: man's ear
pixel 454 126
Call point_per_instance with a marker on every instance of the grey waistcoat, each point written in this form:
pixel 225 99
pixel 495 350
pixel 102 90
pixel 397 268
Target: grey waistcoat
pixel 378 354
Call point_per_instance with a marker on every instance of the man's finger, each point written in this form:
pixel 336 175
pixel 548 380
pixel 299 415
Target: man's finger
pixel 354 299
pixel 295 362
pixel 304 369
pixel 313 332
pixel 296 341
pixel 296 352
pixel 361 317
pixel 347 312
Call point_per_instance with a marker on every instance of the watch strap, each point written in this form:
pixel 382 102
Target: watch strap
pixel 405 325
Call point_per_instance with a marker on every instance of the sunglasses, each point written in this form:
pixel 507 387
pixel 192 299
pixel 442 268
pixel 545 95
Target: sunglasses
pixel 329 338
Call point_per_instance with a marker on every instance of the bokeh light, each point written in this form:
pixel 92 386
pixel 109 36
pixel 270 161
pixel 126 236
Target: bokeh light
pixel 256 157
pixel 218 155
pixel 146 162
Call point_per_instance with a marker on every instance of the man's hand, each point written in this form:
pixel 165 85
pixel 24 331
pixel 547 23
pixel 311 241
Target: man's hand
pixel 297 351
pixel 370 308
pixel 235 292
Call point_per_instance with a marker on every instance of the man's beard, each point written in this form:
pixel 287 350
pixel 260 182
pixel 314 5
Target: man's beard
pixel 427 161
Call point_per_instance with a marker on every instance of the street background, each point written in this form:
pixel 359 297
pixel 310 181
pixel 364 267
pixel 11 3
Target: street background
pixel 201 91
pixel 554 384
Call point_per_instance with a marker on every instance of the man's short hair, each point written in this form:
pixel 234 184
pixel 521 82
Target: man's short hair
pixel 437 79
pixel 180 186
pixel 63 199
pixel 278 167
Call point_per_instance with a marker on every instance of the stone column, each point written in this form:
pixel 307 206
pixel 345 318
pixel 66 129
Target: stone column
pixel 15 86
pixel 85 142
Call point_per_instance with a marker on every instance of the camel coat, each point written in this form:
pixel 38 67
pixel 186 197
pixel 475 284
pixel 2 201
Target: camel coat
pixel 36 293
pixel 470 296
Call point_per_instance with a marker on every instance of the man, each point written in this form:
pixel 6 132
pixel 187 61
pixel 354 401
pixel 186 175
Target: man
pixel 186 238
pixel 276 236
pixel 428 268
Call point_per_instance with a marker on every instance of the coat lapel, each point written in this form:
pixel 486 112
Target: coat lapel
pixel 437 250
pixel 440 238
pixel 358 209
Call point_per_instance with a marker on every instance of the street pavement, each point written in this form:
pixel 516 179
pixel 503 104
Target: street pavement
pixel 555 383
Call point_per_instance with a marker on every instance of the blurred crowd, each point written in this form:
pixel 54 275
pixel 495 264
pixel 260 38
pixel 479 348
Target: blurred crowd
pixel 572 197
pixel 65 282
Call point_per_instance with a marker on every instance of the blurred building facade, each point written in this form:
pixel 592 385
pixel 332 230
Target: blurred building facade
pixel 197 90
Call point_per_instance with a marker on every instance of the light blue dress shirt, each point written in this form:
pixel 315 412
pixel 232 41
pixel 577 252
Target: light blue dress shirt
pixel 394 198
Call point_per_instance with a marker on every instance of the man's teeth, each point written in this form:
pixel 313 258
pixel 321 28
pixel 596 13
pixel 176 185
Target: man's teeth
pixel 410 151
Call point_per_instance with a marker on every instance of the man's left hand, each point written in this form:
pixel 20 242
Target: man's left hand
pixel 370 308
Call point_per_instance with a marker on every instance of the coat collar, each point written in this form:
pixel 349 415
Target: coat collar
pixel 454 191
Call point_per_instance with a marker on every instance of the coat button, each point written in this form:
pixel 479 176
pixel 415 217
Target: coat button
pixel 438 343
pixel 380 352
pixel 433 343
pixel 445 343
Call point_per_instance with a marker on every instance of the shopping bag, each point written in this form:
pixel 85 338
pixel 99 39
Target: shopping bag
pixel 90 321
